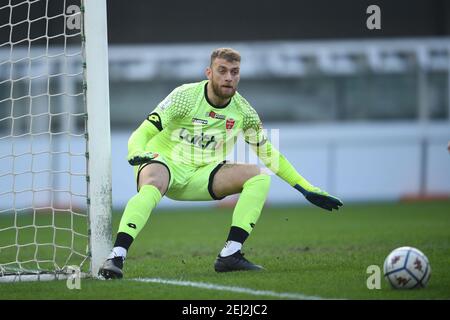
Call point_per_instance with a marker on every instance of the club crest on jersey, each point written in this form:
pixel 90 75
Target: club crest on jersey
pixel 214 115
pixel 229 124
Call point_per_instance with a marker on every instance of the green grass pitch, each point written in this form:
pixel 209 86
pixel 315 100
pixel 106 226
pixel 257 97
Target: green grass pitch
pixel 305 251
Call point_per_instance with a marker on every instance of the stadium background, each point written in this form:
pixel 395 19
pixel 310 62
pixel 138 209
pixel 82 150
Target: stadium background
pixel 362 113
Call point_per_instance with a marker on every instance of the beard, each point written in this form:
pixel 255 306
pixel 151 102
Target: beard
pixel 219 91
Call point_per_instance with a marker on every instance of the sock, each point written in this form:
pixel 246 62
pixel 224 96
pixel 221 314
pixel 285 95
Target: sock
pixel 250 203
pixel 136 214
pixel 246 213
pixel 230 248
pixel 118 252
pixel 121 246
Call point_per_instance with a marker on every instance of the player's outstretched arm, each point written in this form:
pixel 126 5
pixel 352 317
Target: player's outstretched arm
pixel 276 162
pixel 138 140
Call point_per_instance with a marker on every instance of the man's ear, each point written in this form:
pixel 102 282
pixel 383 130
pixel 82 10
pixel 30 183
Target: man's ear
pixel 208 73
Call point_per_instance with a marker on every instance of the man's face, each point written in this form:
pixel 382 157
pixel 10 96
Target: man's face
pixel 224 77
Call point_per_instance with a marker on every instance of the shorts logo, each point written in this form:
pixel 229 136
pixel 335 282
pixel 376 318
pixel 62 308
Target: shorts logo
pixel 229 124
pixel 199 121
pixel 132 225
pixel 156 120
pixel 214 115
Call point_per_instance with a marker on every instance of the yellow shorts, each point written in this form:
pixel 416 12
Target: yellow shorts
pixel 187 183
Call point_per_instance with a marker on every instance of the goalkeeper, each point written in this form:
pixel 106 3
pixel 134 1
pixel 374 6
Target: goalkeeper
pixel 179 152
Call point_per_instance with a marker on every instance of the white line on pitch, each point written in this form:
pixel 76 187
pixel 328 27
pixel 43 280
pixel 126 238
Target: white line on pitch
pixel 211 286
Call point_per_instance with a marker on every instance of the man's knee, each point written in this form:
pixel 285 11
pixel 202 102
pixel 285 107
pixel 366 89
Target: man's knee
pixel 160 184
pixel 231 178
pixel 256 175
pixel 156 175
pixel 249 172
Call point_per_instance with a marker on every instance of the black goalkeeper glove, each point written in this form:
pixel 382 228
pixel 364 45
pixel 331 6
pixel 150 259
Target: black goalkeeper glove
pixel 140 157
pixel 320 198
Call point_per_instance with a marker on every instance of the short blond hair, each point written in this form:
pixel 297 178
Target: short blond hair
pixel 228 54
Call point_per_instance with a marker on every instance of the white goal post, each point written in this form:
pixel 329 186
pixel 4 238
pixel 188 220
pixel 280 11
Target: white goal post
pixel 55 144
pixel 99 140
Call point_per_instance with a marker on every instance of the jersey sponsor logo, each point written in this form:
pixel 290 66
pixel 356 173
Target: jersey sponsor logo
pixel 199 121
pixel 201 140
pixel 214 115
pixel 156 120
pixel 229 124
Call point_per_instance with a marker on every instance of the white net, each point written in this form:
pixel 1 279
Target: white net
pixel 43 211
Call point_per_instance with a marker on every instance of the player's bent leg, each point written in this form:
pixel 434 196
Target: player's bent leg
pixel 156 174
pixel 230 178
pixel 254 188
pixel 153 181
pixel 250 203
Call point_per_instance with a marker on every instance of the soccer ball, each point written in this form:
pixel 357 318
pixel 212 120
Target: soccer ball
pixel 407 268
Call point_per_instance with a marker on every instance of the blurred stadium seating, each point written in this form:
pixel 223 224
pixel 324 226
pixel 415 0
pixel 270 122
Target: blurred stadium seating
pixel 364 114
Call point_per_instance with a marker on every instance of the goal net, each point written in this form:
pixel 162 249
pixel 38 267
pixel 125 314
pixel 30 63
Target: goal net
pixel 55 185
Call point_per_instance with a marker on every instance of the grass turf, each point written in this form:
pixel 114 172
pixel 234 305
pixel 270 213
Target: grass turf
pixel 305 250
